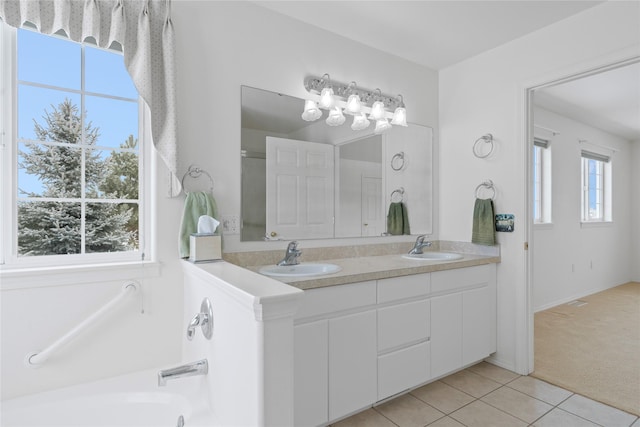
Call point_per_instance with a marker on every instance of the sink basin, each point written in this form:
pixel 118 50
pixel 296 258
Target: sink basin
pixel 300 270
pixel 433 256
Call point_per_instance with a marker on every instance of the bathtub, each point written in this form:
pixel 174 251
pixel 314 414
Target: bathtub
pixel 124 401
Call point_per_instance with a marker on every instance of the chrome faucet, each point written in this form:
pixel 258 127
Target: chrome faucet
pixel 420 243
pixel 201 367
pixel 204 319
pixel 292 255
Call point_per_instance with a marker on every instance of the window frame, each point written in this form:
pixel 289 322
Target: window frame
pixel 9 259
pixel 542 186
pixel 603 187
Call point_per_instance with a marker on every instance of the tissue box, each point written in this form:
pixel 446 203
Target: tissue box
pixel 205 247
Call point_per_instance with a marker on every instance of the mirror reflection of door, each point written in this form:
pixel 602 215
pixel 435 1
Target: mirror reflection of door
pixel 372 218
pixel 299 189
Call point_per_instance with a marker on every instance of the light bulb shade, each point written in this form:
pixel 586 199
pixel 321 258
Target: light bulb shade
pixel 399 117
pixel 353 104
pixel 377 111
pixel 311 111
pixel 381 126
pixel 360 122
pixel 336 118
pixel 326 98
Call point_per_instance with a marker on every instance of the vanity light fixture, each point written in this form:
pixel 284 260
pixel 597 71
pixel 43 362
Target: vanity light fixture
pixel 400 114
pixel 360 122
pixel 326 96
pixel 377 109
pixel 311 111
pixel 336 118
pixel 381 126
pixel 354 105
pixel 356 101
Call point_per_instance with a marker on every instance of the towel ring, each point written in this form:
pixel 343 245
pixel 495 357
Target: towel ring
pixel 400 157
pixel 487 139
pixel 488 184
pixel 196 172
pixel 398 191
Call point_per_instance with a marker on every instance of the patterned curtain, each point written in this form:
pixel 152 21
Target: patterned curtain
pixel 144 31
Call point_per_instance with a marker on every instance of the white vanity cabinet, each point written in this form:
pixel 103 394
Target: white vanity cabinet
pixel 335 353
pixel 463 317
pixel 403 333
pixel 357 344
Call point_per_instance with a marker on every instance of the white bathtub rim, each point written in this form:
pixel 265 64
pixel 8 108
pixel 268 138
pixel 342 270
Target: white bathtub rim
pixel 191 394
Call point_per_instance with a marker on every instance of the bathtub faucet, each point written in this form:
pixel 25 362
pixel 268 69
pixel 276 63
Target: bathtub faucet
pixel 201 367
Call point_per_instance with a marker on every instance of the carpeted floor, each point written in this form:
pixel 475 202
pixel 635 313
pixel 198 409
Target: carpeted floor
pixel 593 349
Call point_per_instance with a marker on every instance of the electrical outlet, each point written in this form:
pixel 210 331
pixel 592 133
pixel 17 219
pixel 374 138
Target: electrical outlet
pixel 230 224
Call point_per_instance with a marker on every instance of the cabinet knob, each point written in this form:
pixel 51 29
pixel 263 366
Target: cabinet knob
pixel 274 234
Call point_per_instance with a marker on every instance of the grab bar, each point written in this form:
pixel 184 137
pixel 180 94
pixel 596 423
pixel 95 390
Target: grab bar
pixel 39 357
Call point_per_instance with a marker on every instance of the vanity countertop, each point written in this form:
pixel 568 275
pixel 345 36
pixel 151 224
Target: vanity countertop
pixel 361 269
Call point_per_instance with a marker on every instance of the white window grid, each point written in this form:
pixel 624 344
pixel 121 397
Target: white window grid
pixel 592 191
pixel 9 170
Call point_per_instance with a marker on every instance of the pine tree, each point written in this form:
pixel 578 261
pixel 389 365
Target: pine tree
pixel 121 181
pixel 54 227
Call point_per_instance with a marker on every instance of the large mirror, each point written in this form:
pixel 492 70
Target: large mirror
pixel 306 180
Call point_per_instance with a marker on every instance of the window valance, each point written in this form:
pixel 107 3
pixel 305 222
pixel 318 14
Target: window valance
pixel 142 28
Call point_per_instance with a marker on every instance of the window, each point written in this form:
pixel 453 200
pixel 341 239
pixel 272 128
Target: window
pixel 73 175
pixel 541 181
pixel 596 187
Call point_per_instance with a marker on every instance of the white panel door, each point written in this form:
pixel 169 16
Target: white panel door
pixel 310 374
pixel 478 324
pixel 373 223
pixel 352 363
pixel 300 182
pixel 446 334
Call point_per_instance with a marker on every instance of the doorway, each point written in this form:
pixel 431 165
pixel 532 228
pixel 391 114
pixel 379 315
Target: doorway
pixel 563 262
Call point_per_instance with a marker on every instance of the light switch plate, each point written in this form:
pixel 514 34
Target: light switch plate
pixel 230 224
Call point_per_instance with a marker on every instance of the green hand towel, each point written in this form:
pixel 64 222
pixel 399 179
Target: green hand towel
pixel 484 230
pixel 398 219
pixel 195 205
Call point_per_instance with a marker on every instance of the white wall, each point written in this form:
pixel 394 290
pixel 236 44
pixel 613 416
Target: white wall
pixel 220 46
pixel 223 45
pixel 571 260
pixel 486 94
pixel 39 307
pixel 635 211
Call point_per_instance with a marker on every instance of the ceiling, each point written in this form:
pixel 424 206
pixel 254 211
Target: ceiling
pixel 438 34
pixel 609 101
pixel 432 33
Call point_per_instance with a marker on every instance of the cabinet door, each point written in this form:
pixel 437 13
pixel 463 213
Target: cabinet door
pixel 478 324
pixel 352 363
pixel 446 334
pixel 311 376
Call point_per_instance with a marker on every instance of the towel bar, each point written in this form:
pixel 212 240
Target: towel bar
pixel 195 172
pixel 488 139
pixel 488 184
pixel 398 191
pixel 396 166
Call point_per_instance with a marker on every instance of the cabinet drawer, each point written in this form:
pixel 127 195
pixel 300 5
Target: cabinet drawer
pixel 397 288
pixel 403 369
pixel 452 280
pixel 403 324
pixel 317 302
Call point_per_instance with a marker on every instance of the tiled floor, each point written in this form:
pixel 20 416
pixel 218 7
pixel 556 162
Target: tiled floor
pixel 487 396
